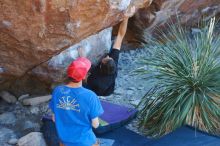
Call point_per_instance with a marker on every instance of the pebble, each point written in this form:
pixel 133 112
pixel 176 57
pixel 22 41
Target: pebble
pixel 131 88
pixel 102 97
pixel 34 110
pixel 117 96
pixel 130 92
pixel 140 88
pixel 13 141
pixel 118 91
pixel 135 102
pixel 44 108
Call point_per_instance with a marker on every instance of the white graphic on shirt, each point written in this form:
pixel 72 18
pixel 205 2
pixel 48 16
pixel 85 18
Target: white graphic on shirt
pixel 67 104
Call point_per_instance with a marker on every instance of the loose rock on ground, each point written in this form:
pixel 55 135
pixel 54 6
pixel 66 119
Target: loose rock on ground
pixel 8 97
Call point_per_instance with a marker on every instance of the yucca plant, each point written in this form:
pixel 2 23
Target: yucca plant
pixel 186 73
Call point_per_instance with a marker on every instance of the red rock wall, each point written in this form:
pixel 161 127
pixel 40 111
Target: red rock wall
pixel 159 12
pixel 33 31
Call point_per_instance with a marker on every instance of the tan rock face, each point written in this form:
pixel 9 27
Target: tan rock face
pixel 33 31
pixel 159 12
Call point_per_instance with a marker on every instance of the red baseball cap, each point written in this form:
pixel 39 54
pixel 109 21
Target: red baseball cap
pixel 79 68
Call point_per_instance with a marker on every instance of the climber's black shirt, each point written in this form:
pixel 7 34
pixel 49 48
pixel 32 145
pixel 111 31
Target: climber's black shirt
pixel 103 85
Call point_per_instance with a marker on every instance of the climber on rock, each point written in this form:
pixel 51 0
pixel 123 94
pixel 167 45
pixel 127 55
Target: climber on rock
pixel 102 77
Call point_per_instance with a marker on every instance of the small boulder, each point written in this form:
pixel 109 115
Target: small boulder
pixel 9 98
pixel 102 97
pixel 32 139
pixel 22 97
pixel 36 100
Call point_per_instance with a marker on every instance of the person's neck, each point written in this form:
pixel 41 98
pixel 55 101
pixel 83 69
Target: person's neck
pixel 74 85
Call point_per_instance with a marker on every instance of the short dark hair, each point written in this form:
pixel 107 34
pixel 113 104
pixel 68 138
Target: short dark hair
pixel 69 79
pixel 108 67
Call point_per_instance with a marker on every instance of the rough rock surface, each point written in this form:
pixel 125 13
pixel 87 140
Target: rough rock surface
pixel 160 12
pixel 31 32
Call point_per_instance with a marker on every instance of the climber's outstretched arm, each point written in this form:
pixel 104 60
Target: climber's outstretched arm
pixel 121 33
pixel 123 28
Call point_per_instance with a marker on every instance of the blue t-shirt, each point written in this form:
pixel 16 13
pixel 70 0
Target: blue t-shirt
pixel 74 109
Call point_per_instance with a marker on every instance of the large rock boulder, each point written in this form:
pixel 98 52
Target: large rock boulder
pixel 32 32
pixel 39 38
pixel 40 79
pixel 160 11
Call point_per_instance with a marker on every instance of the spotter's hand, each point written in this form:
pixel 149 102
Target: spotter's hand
pixel 130 11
